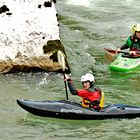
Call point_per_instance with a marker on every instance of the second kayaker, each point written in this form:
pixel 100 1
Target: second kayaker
pixel 92 96
pixel 133 42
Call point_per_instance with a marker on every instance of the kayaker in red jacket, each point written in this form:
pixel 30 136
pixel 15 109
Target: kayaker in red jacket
pixel 133 42
pixel 92 96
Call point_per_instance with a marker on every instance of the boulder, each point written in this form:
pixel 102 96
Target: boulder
pixel 29 37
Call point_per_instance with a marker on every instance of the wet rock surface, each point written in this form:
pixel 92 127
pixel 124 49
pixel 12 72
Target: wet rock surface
pixel 29 37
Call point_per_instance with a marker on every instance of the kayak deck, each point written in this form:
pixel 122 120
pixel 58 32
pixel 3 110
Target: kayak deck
pixel 70 110
pixel 125 64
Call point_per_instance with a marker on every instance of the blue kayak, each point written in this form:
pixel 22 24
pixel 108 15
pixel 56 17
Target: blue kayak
pixel 70 110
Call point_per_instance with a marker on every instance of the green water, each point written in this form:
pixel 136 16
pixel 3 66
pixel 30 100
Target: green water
pixel 84 30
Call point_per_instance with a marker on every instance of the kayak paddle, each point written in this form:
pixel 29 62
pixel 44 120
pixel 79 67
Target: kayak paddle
pixel 115 52
pixel 126 53
pixel 61 61
pixel 111 55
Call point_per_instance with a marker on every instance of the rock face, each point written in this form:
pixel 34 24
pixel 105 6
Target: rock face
pixel 29 36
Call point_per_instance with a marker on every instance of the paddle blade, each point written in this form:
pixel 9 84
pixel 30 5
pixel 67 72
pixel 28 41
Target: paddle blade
pixel 111 51
pixel 110 57
pixel 111 54
pixel 61 59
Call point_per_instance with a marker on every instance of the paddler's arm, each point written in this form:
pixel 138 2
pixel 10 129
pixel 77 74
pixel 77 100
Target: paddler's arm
pixel 126 45
pixel 123 47
pixel 71 86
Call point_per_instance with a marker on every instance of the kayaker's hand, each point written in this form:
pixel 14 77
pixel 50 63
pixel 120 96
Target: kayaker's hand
pixel 117 51
pixel 132 52
pixel 66 77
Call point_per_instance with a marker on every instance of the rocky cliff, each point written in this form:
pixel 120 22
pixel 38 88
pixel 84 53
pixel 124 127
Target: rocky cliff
pixel 29 36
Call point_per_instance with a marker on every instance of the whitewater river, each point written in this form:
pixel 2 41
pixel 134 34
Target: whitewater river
pixel 86 27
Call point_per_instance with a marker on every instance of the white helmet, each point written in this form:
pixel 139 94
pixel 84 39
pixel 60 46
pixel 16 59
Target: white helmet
pixel 87 77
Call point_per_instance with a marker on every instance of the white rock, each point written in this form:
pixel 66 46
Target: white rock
pixel 24 30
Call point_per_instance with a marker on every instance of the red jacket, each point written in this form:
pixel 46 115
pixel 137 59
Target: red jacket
pixel 91 96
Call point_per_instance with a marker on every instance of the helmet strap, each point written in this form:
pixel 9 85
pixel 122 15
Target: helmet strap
pixel 91 84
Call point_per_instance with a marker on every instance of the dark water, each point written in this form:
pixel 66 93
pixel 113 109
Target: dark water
pixel 86 27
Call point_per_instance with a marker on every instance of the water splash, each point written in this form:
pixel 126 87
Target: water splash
pixel 44 80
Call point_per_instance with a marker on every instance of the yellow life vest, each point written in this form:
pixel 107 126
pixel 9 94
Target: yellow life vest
pixel 86 103
pixel 102 100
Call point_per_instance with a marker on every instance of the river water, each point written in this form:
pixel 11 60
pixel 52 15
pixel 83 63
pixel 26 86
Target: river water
pixel 86 27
